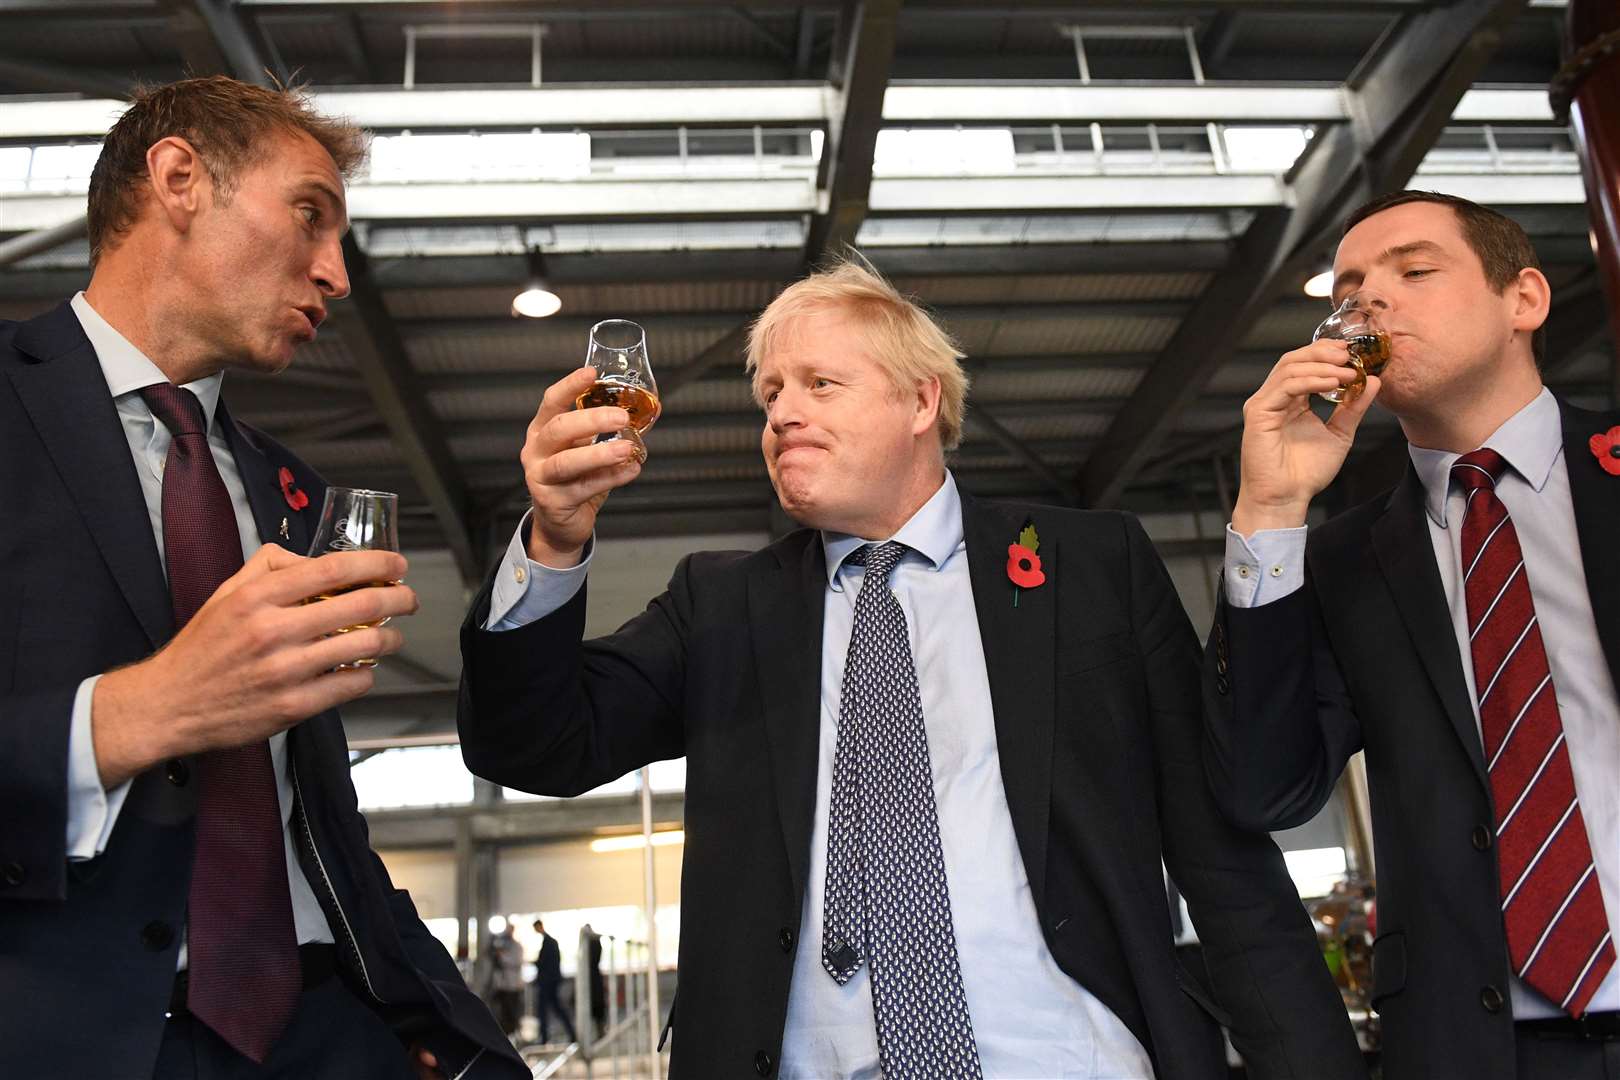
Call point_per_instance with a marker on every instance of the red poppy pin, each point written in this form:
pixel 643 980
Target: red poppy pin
pixel 1023 565
pixel 291 492
pixel 1606 448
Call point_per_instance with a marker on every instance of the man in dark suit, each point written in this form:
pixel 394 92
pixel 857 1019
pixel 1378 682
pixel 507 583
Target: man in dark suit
pixel 186 884
pixel 936 747
pixel 1463 630
pixel 547 980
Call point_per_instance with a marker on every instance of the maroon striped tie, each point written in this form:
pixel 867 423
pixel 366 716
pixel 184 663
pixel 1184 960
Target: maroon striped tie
pixel 1557 933
pixel 244 978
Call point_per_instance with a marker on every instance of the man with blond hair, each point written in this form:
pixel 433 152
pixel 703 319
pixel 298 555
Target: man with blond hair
pixel 936 747
pixel 186 886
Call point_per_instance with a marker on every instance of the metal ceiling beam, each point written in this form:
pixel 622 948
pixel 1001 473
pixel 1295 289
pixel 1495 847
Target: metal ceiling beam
pixel 786 105
pixel 519 822
pixel 852 134
pixel 1406 91
pixel 40 75
pixel 981 419
pixel 379 354
pixel 775 198
pixel 27 245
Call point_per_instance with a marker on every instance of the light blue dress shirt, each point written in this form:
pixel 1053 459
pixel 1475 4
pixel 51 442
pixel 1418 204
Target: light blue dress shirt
pixel 1029 1018
pixel 1535 489
pixel 93 810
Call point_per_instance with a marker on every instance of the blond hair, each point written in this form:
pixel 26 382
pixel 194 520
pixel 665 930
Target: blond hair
pixel 901 337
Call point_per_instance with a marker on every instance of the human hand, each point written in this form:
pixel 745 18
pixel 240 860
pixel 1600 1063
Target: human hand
pixel 255 659
pixel 568 474
pixel 1289 454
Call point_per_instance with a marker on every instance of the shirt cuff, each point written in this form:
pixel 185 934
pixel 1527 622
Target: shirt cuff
pixel 1266 566
pixel 526 591
pixel 92 810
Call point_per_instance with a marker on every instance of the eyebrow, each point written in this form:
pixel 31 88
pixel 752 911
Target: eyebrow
pixel 1399 251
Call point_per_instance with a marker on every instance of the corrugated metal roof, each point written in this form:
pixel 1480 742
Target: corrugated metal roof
pixel 1068 382
pixel 536 345
pixel 1070 334
pixel 1052 288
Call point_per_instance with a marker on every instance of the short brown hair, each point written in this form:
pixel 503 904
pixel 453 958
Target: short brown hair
pixel 228 122
pixel 905 342
pixel 1502 245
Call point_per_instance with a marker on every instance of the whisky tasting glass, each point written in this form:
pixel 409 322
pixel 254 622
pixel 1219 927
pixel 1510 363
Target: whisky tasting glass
pixel 1356 323
pixel 355 519
pixel 618 352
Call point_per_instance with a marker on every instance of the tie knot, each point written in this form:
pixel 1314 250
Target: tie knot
pixel 177 409
pixel 1478 468
pixel 879 559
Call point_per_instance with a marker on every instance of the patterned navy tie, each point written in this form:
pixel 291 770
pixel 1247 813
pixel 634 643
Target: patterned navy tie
pixel 242 948
pixel 887 902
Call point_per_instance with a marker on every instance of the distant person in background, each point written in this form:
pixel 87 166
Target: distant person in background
pixel 547 979
pixel 598 985
pixel 506 979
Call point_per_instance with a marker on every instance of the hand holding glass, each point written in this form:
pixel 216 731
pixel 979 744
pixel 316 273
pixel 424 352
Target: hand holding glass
pixel 354 519
pixel 618 352
pixel 1356 323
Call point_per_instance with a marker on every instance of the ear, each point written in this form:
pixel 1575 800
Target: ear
pixel 1532 299
pixel 927 414
pixel 178 181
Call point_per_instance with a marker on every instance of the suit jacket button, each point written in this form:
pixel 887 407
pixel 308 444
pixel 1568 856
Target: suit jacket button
pixel 1491 998
pixel 785 939
pixel 763 1063
pixel 157 935
pixel 14 873
pixel 177 772
pixel 1482 838
pixel 1220 664
pixel 1221 685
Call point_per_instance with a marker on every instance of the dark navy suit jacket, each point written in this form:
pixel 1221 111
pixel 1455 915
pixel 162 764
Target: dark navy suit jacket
pixel 1094 682
pixel 88 949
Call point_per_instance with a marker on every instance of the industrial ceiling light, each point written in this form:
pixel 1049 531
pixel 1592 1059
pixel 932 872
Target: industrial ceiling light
pixel 536 301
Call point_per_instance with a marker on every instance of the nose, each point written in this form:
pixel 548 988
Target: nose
pixel 784 413
pixel 329 273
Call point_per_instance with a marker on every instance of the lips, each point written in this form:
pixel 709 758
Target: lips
pixel 314 316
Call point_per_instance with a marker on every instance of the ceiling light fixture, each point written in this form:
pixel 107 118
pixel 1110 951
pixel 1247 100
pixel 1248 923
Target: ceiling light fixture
pixel 537 300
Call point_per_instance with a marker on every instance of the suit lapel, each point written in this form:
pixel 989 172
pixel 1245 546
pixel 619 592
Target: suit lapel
pixel 66 397
pixel 263 486
pixel 1405 552
pixel 1019 657
pixel 785 615
pixel 1596 497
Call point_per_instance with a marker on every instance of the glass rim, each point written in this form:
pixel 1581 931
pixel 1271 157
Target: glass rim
pixel 362 491
pixel 641 332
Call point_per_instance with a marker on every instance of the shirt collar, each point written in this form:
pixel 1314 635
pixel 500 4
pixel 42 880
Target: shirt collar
pixel 1530 442
pixel 127 369
pixel 934 532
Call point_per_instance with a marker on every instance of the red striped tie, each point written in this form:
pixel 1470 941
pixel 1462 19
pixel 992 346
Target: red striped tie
pixel 1557 933
pixel 242 948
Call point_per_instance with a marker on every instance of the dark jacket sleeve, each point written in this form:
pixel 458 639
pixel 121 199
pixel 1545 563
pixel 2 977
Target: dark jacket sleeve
pixel 1278 722
pixel 34 730
pixel 1286 1016
pixel 544 712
